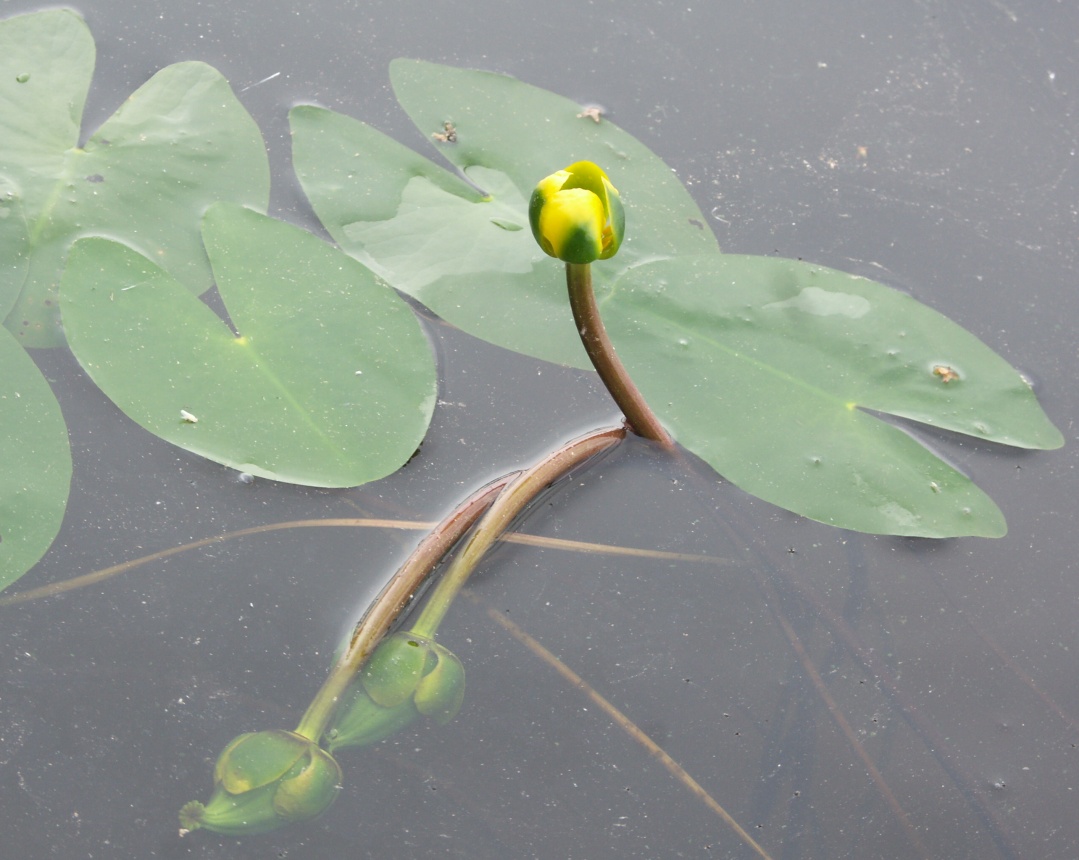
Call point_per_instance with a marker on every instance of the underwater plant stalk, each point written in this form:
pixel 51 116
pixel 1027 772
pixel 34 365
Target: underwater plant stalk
pixel 511 501
pixel 497 503
pixel 600 350
pixel 392 600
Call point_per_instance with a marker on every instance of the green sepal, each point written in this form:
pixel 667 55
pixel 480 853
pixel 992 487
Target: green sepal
pixel 407 677
pixel 441 691
pixel 362 722
pixel 395 669
pixel 256 759
pixel 264 780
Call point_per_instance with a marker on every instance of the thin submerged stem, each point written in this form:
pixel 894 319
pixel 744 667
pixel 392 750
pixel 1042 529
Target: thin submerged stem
pixel 600 350
pixel 494 507
pixel 391 602
pixel 93 578
pixel 510 502
pixel 628 726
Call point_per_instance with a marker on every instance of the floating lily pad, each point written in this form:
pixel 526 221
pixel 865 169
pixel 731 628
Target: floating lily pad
pixel 765 368
pixel 328 379
pixel 36 477
pixel 179 142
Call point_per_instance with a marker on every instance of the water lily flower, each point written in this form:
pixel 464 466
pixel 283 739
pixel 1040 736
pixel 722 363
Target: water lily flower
pixel 576 214
pixel 408 676
pixel 264 780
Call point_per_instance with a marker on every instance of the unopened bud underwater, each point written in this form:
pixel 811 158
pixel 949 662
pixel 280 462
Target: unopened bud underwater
pixel 264 780
pixel 408 676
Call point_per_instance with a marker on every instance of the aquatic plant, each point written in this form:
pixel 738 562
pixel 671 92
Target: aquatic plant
pixel 767 369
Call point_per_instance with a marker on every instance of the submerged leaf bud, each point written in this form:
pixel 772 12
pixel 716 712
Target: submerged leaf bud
pixel 576 214
pixel 264 780
pixel 407 676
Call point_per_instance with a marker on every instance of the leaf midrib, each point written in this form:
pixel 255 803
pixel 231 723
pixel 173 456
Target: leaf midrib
pixel 264 365
pixel 769 369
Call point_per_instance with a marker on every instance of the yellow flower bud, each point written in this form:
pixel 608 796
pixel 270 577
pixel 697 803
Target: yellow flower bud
pixel 576 214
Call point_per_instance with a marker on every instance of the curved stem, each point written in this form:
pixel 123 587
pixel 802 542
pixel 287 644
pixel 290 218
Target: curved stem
pixel 523 490
pixel 600 350
pixel 391 601
pixel 497 503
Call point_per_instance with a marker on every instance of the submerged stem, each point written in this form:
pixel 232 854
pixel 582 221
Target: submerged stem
pixel 497 503
pixel 600 350
pixel 510 502
pixel 391 601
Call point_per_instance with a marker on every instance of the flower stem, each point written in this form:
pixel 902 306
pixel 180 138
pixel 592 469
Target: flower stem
pixel 597 344
pixel 497 503
pixel 392 600
pixel 517 495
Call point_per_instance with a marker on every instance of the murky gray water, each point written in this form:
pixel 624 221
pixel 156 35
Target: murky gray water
pixel 929 145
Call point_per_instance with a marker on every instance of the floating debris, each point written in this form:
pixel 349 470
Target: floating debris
pixel 448 133
pixel 945 373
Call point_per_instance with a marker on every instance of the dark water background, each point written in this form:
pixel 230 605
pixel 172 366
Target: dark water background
pixel 929 145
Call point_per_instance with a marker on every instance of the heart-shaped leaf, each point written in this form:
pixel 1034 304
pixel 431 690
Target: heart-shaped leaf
pixel 329 382
pixel 36 476
pixel 180 142
pixel 763 368
pixel 462 245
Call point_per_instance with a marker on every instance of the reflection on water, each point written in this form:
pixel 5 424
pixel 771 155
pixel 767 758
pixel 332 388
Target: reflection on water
pixel 838 695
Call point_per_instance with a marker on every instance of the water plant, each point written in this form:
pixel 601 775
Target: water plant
pixel 769 370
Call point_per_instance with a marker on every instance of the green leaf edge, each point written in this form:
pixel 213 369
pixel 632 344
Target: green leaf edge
pixel 173 430
pixel 29 322
pixel 46 490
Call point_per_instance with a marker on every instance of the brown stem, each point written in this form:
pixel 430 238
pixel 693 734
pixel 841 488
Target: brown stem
pixel 600 350
pixel 517 495
pixel 392 600
pixel 497 503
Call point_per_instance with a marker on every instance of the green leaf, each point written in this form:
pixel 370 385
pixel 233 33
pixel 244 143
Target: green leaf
pixel 466 253
pixel 180 142
pixel 14 246
pixel 36 476
pixel 763 368
pixel 330 382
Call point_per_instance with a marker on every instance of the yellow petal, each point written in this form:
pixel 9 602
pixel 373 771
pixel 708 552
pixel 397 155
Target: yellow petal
pixel 571 225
